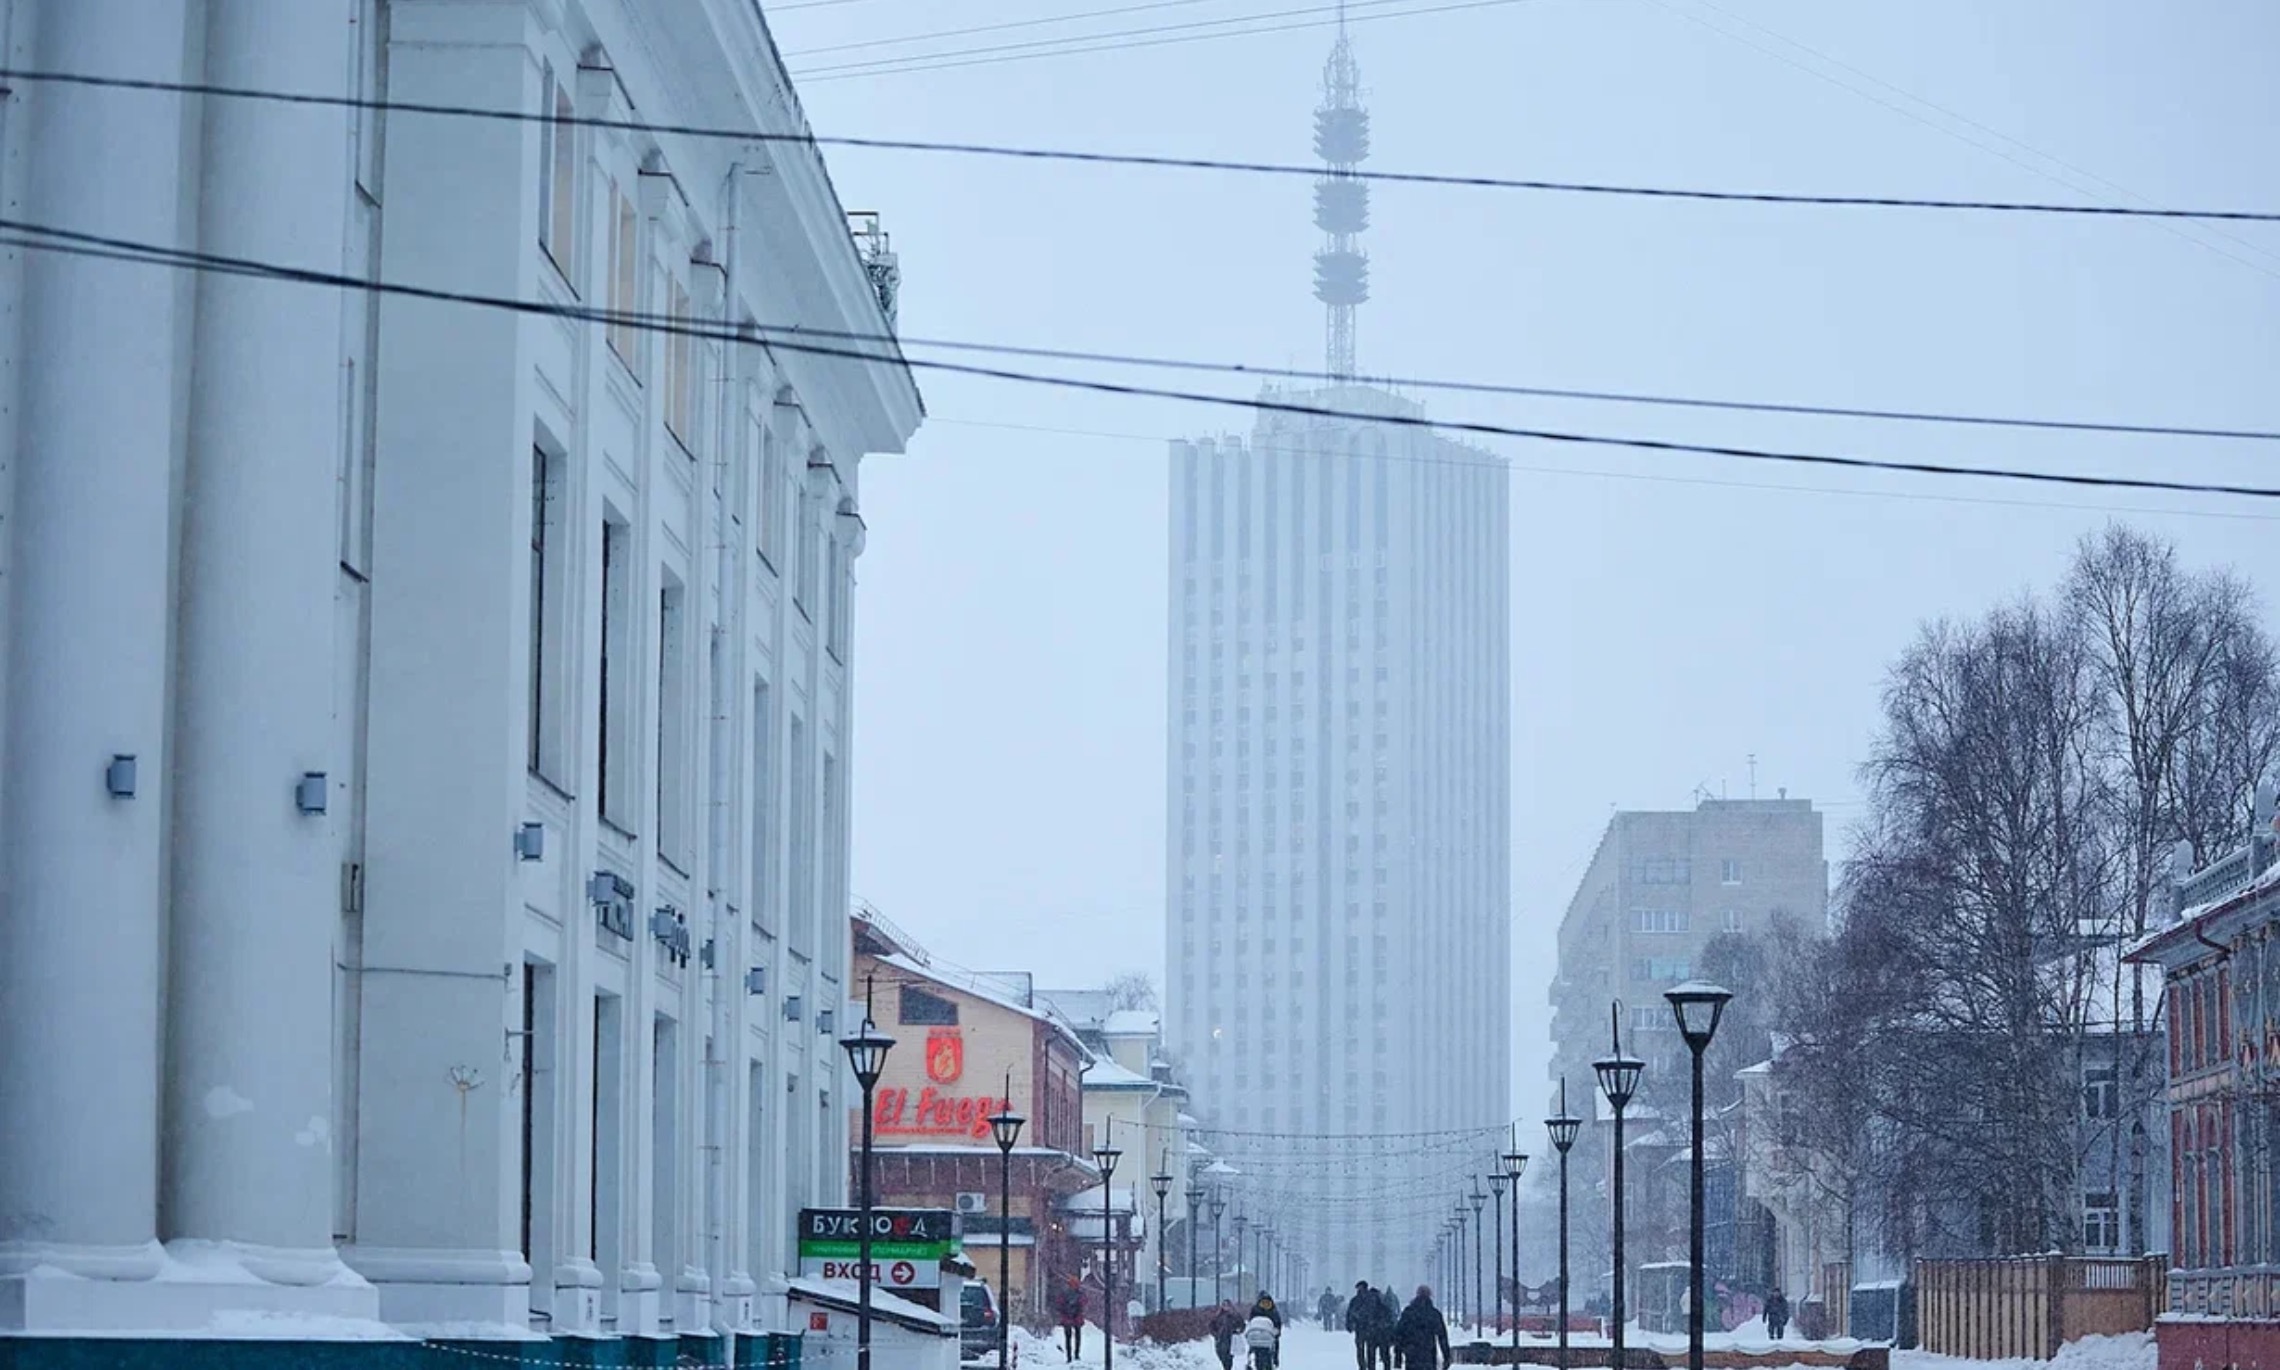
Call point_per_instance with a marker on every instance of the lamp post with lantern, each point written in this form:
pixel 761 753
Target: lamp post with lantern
pixel 1106 1155
pixel 867 1054
pixel 1515 1164
pixel 1005 1130
pixel 1161 1182
pixel 1478 1200
pixel 1563 1127
pixel 1218 1246
pixel 1195 1220
pixel 1618 1080
pixel 1698 1006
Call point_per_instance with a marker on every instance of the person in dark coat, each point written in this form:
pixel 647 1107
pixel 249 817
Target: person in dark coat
pixel 1776 1313
pixel 1327 1309
pixel 1366 1319
pixel 1389 1351
pixel 1224 1325
pixel 1264 1307
pixel 1422 1335
pixel 1069 1312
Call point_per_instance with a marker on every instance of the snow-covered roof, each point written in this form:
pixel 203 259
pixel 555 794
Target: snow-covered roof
pixel 1131 1022
pixel 1190 1120
pixel 983 988
pixel 1105 1073
pixel 1088 1200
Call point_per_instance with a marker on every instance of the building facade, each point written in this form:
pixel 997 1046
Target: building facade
pixel 1660 887
pixel 431 716
pixel 964 1046
pixel 1338 808
pixel 2220 958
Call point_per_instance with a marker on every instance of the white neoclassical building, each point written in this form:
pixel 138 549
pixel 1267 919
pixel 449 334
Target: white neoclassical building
pixel 424 778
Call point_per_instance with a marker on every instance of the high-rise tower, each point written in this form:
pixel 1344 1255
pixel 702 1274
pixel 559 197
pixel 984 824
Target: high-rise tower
pixel 1341 202
pixel 1337 802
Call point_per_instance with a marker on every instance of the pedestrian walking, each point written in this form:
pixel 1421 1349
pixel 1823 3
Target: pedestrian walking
pixel 1261 1334
pixel 1776 1313
pixel 1422 1334
pixel 1389 1349
pixel 1366 1319
pixel 1069 1311
pixel 1326 1310
pixel 1264 1307
pixel 1224 1325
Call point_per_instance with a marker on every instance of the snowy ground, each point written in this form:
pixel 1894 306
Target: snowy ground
pixel 1307 1347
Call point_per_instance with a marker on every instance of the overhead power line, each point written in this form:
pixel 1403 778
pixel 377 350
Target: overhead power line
pixel 1100 158
pixel 44 238
pixel 1123 40
pixel 1044 21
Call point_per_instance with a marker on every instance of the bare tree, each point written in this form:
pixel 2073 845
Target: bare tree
pixel 1131 990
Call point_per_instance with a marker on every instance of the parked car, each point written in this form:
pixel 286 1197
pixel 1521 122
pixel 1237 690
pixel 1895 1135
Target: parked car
pixel 978 1317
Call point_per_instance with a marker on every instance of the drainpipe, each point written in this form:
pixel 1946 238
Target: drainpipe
pixel 718 733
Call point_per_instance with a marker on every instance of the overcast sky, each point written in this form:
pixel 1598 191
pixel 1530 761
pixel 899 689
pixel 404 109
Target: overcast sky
pixel 1672 615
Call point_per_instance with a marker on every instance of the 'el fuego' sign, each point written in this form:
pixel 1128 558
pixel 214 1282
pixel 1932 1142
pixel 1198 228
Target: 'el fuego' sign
pixel 935 1113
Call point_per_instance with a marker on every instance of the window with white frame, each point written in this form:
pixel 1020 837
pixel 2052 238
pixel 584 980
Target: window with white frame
pixel 2100 1092
pixel 625 280
pixel 614 720
pixel 558 177
pixel 673 730
pixel 680 369
pixel 2101 1223
pixel 1659 921
pixel 1729 872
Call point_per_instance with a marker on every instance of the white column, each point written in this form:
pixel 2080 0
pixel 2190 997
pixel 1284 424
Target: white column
pixel 79 868
pixel 248 1155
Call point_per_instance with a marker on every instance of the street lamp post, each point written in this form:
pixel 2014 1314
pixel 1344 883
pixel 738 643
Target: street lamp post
pixel 1618 1080
pixel 1479 1201
pixel 1698 1006
pixel 1515 1165
pixel 1161 1182
pixel 1005 1129
pixel 1563 1128
pixel 1218 1246
pixel 1242 1252
pixel 1498 1181
pixel 1106 1156
pixel 867 1053
pixel 1195 1220
pixel 1457 1292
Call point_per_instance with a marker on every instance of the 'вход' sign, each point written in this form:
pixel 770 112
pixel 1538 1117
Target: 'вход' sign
pixel 934 1113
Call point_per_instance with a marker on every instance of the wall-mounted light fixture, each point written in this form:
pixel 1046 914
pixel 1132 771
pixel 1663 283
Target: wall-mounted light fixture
pixel 309 792
pixel 119 776
pixel 530 841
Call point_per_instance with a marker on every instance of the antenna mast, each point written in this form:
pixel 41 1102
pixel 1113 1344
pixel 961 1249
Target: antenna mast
pixel 1341 201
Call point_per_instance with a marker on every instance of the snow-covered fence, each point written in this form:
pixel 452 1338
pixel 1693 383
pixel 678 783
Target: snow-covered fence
pixel 2028 1306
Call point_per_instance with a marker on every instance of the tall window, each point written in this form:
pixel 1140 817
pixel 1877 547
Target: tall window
pixel 558 178
pixel 664 1144
pixel 801 916
pixel 1729 872
pixel 771 491
pixel 2100 1095
pixel 680 372
pixel 834 600
pixel 765 808
pixel 545 605
pixel 2101 1223
pixel 803 574
pixel 616 714
pixel 672 722
pixel 625 280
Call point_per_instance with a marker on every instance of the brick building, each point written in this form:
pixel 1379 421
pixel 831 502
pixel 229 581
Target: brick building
pixel 964 1044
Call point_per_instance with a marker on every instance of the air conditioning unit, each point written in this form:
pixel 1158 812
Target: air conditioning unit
pixel 973 1203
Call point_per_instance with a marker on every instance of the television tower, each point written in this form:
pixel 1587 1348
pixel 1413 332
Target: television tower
pixel 1341 201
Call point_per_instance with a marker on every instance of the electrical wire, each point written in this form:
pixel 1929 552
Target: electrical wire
pixel 1022 24
pixel 69 242
pixel 1083 43
pixel 1652 477
pixel 1160 161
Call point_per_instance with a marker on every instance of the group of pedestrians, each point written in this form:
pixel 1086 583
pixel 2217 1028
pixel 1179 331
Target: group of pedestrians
pixel 1387 1335
pixel 1260 1329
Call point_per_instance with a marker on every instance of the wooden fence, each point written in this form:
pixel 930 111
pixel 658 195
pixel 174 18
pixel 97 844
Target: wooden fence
pixel 2031 1305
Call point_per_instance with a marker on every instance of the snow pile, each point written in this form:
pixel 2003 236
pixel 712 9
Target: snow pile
pixel 2124 1351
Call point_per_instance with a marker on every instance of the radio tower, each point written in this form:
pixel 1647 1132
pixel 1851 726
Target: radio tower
pixel 1341 201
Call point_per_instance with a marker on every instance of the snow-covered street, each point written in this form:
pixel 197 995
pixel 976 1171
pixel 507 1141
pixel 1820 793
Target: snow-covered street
pixel 1306 1346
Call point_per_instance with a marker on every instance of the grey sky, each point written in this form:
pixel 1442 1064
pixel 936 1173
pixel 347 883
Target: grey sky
pixel 1672 615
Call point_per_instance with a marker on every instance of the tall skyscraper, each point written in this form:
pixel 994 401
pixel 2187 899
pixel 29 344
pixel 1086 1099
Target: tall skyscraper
pixel 1338 796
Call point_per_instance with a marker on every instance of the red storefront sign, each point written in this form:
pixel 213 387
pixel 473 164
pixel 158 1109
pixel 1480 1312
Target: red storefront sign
pixel 934 1113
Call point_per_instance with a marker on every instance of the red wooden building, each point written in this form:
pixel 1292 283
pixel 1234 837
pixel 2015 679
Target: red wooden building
pixel 2220 960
